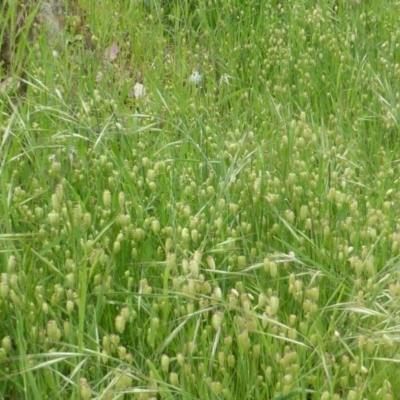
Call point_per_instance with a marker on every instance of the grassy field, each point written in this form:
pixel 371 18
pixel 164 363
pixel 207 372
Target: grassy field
pixel 233 232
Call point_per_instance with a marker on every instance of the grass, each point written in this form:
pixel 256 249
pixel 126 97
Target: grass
pixel 232 239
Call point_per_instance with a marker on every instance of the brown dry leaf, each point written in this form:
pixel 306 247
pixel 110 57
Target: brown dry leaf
pixel 9 84
pixel 137 91
pixel 111 52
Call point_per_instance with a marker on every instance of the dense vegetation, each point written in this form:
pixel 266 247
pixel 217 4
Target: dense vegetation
pixel 229 230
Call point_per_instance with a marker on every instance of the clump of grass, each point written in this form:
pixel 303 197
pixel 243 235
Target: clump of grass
pixel 229 237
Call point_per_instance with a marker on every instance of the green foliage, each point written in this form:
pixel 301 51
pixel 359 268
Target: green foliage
pixel 234 238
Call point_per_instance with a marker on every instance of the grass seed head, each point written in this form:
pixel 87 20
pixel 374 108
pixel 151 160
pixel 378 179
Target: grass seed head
pixel 85 390
pixel 216 320
pixel 164 363
pixel 174 378
pixel 4 290
pixel 6 343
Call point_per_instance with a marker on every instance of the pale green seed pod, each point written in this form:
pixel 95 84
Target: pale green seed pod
pixel 180 358
pixel 114 339
pixel 55 203
pixel 170 262
pixel 303 212
pixel 13 280
pixel 217 294
pixel 194 267
pixel 221 358
pixel 51 329
pixel 134 254
pixel 262 300
pixel 314 293
pixel 241 262
pixel 57 296
pixel 274 305
pixel 228 341
pixel 211 263
pixel 298 285
pixel 191 347
pixel 210 191
pixel 246 302
pixel 273 269
pixel 185 235
pixel 6 343
pixel 155 323
pixel 201 368
pixel 267 265
pixel 70 280
pixel 109 395
pixel 218 224
pixel 193 285
pixel 139 234
pixel 168 244
pixel 190 307
pixel 104 357
pixel 125 313
pixel 353 368
pixel 120 237
pixel 120 323
pixel 70 306
pixel 216 387
pixel 59 191
pixel 39 212
pixel 164 363
pixel 185 266
pixel 155 226
pixel 292 334
pixel 12 264
pixel 325 395
pixel 370 345
pixel 150 175
pixel 233 209
pixel 4 290
pixel 111 180
pixel 106 343
pixel 174 378
pixel 256 350
pixel 107 199
pixel 85 390
pixel 290 217
pixel 244 340
pixel 216 320
pixel 66 326
pixel 121 200
pixel 15 299
pixel 352 395
pixel 121 352
pixel 291 179
pixel 197 256
pixel 87 221
pixel 231 361
pixel 292 320
pixel 194 234
pixel 78 214
pixel 186 211
pixel 54 219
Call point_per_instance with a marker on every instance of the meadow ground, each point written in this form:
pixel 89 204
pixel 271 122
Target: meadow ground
pixel 230 232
